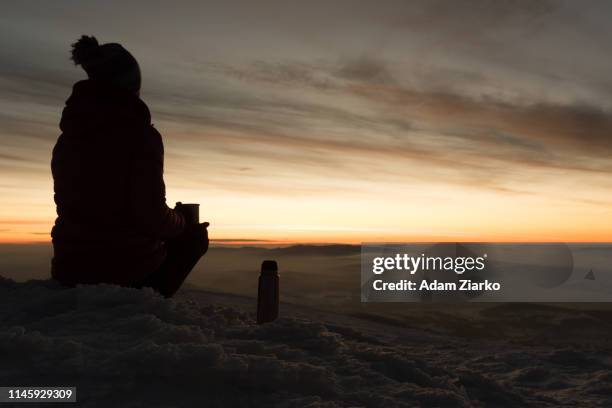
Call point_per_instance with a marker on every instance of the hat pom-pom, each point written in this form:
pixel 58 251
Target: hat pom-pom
pixel 85 50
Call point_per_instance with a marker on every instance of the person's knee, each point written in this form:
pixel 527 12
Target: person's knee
pixel 194 241
pixel 199 239
pixel 197 248
pixel 201 248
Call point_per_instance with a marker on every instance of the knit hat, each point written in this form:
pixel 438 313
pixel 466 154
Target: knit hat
pixel 108 62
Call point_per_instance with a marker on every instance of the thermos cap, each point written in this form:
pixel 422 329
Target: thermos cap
pixel 269 267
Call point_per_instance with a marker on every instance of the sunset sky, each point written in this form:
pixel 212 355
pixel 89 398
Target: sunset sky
pixel 337 121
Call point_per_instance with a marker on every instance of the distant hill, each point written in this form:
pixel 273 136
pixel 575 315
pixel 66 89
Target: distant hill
pixel 301 249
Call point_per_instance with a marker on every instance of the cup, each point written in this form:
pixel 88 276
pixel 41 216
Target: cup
pixel 191 212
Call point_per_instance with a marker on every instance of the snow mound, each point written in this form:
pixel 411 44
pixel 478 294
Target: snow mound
pixel 126 347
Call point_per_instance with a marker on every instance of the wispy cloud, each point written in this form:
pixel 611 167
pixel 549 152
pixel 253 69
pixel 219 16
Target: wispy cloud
pixel 318 102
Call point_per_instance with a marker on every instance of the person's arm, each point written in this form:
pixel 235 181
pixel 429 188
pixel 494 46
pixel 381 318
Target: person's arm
pixel 147 195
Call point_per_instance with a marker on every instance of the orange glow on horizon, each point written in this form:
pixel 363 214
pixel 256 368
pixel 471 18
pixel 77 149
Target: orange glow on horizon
pixel 379 212
pixel 21 233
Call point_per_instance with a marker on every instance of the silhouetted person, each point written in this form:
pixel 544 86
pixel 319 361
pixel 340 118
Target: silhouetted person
pixel 113 224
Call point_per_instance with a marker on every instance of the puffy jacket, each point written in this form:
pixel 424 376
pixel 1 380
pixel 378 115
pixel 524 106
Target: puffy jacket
pixel 107 166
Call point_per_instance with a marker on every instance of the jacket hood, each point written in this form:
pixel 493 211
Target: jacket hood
pixel 96 103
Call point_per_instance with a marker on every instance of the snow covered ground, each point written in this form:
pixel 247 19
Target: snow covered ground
pixel 129 348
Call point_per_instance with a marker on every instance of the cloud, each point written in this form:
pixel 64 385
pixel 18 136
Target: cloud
pixel 365 69
pixel 580 127
pixel 435 92
pixel 471 131
pixel 473 22
pixel 276 73
pixel 330 117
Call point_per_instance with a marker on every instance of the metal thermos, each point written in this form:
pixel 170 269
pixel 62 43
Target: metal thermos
pixel 191 212
pixel 267 293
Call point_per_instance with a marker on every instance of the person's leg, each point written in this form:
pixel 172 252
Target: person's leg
pixel 183 253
